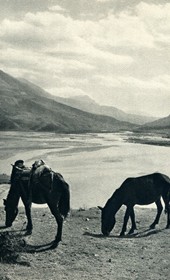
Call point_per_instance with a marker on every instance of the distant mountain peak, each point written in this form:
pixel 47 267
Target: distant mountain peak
pixel 87 104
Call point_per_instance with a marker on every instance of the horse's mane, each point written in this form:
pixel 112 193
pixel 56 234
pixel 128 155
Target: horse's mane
pixel 115 198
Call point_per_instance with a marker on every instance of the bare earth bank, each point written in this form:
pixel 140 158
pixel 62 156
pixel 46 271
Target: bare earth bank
pixel 84 253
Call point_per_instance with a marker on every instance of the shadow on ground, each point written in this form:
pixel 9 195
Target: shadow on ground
pixel 140 234
pixel 13 244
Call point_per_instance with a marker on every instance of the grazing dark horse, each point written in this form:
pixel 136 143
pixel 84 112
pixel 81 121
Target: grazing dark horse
pixel 142 190
pixel 49 187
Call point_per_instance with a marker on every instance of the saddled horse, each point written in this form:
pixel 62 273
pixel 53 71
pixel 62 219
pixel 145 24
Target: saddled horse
pixel 49 187
pixel 142 190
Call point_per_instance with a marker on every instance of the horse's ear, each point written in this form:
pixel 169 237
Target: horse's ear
pixel 4 201
pixel 100 208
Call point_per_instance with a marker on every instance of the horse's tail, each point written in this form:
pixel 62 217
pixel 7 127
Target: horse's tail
pixel 64 203
pixel 166 179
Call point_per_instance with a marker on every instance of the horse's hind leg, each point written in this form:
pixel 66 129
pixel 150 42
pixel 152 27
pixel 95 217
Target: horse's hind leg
pixel 59 219
pixel 166 199
pixel 167 211
pixel 159 211
pixel 168 216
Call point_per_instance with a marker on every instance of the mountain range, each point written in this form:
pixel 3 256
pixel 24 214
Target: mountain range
pixel 87 104
pixel 25 106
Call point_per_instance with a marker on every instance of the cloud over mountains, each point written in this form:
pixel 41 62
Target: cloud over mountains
pixel 111 51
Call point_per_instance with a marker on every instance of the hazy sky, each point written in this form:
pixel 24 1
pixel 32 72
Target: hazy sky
pixel 115 51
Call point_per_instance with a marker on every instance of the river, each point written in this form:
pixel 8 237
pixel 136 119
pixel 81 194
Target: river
pixel 94 165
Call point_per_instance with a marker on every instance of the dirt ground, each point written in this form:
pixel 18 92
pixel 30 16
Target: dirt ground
pixel 84 253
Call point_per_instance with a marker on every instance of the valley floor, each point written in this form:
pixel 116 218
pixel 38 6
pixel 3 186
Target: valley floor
pixel 84 253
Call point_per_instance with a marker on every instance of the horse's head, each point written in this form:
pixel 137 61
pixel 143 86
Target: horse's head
pixel 107 221
pixel 11 212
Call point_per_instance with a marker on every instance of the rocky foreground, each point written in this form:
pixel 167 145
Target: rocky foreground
pixel 84 253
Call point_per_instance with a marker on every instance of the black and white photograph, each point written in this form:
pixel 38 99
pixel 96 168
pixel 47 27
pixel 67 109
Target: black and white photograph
pixel 84 139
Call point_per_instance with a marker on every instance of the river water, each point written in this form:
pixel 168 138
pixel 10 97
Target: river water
pixel 94 165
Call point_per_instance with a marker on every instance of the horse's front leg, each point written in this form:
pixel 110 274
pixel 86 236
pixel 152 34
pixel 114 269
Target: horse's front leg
pixel 29 219
pixel 133 227
pixel 29 226
pixel 27 201
pixel 126 218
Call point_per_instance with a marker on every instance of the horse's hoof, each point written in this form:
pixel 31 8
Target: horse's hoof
pixel 122 234
pixel 106 234
pixel 28 232
pixel 54 244
pixel 152 227
pixel 132 231
pixel 8 225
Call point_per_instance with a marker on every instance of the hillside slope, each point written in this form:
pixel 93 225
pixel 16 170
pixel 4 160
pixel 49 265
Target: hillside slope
pixel 161 123
pixel 159 126
pixel 26 107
